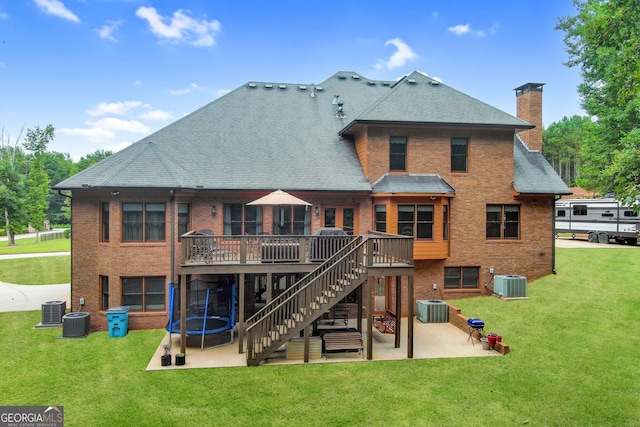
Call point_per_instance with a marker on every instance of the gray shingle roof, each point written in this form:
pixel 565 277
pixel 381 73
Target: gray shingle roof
pixel 412 183
pixel 533 174
pixel 265 136
pixel 417 98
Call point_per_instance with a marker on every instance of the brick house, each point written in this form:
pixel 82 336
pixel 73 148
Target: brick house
pixel 414 157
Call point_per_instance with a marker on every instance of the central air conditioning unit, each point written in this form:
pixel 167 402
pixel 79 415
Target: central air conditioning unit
pixel 52 312
pixel 76 325
pixel 510 286
pixel 432 311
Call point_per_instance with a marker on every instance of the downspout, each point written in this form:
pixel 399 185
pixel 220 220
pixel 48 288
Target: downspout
pixel 173 234
pixel 553 235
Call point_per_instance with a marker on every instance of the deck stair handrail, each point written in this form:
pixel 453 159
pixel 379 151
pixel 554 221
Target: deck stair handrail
pixel 353 243
pixel 286 318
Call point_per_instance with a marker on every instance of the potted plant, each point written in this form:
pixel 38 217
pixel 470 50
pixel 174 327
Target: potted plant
pixel 180 359
pixel 492 337
pixel 165 359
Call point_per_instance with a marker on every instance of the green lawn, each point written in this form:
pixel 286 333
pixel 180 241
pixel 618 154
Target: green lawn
pixel 28 245
pixel 574 362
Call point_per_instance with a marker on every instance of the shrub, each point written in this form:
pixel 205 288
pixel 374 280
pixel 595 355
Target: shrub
pixel 67 233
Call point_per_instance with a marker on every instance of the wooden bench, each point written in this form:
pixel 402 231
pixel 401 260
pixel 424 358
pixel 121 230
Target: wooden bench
pixel 387 323
pixel 343 341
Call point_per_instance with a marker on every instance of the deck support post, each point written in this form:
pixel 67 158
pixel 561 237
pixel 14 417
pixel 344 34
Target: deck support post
pixel 183 314
pixel 241 292
pixel 370 290
pixel 410 309
pixel 398 333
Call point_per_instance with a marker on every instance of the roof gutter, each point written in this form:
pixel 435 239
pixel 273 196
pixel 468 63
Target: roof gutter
pixel 352 124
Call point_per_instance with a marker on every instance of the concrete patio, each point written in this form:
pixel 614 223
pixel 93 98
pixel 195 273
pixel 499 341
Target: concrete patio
pixel 431 341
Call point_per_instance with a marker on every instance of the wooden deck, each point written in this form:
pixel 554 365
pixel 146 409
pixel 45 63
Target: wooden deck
pixel 269 252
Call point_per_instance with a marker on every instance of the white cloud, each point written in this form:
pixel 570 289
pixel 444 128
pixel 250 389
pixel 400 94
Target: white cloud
pixel 400 57
pixel 186 89
pixel 119 108
pixel 156 115
pixel 4 15
pixel 106 31
pixel 180 27
pixel 179 91
pixel 94 134
pixel 459 29
pixel 115 124
pixel 56 8
pixel 3 65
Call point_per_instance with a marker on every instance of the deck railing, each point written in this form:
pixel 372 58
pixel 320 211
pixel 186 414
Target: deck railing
pixel 213 249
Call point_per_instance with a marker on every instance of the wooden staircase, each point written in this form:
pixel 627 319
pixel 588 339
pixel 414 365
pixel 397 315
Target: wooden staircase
pixel 302 304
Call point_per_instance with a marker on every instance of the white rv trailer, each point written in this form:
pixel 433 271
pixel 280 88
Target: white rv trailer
pixel 601 219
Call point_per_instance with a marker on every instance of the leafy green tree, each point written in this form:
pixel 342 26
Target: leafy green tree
pixel 38 180
pixel 603 39
pixel 58 166
pixel 90 160
pixel 562 143
pixel 12 185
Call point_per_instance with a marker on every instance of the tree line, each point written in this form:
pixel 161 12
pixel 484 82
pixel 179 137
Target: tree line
pixel 602 152
pixel 27 172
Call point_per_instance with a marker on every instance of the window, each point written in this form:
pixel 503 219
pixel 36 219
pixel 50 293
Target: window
pixel 398 153
pixel 241 219
pixel 291 220
pixel 416 217
pixel 630 214
pixel 104 221
pixel 104 292
pixel 503 222
pixel 380 218
pixel 134 215
pixel 184 219
pixel 459 147
pixel 445 222
pixel 143 293
pixel 461 277
pixel 561 213
pixel 580 210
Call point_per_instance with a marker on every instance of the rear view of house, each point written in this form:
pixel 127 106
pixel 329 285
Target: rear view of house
pixel 441 187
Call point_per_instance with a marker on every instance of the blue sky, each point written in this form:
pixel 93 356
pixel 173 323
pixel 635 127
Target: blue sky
pixel 106 73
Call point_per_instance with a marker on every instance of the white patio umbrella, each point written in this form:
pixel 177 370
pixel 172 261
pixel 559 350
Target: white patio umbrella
pixel 279 197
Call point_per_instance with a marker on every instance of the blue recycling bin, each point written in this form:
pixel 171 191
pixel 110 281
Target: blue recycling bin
pixel 118 319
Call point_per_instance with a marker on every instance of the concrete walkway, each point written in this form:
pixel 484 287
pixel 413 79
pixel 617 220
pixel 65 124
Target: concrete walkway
pixel 31 297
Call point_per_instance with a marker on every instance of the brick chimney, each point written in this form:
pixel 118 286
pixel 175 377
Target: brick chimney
pixel 529 108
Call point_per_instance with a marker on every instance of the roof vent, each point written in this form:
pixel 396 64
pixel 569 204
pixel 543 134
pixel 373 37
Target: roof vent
pixel 342 77
pixel 282 86
pixel 268 86
pixel 302 87
pixel 252 85
pixel 319 88
pixel 386 84
pixel 370 83
pixel 411 81
pixel 436 81
pixel 355 77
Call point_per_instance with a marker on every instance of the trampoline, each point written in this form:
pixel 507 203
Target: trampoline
pixel 209 311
